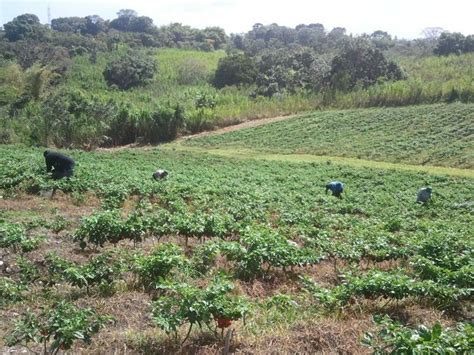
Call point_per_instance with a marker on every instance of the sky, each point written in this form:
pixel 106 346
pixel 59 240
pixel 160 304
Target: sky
pixel 401 18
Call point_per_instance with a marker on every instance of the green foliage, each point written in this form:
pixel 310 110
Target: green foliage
pixel 258 247
pixel 454 43
pixel 13 236
pixel 100 228
pixel 73 118
pixel 59 327
pixel 204 257
pixel 24 26
pixel 235 70
pixel 101 270
pixel 372 134
pixel 156 267
pixel 391 285
pixel 361 65
pixel 393 338
pixel 10 291
pixel 287 71
pixel 129 21
pixel 29 273
pixel 129 70
pixel 183 303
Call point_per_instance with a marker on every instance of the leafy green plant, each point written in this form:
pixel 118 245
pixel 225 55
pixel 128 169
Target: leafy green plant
pixel 389 285
pixel 154 268
pixel 394 338
pixel 60 223
pixel 204 257
pixel 130 70
pixel 101 270
pixel 56 328
pixel 183 303
pixel 10 291
pixel 13 236
pixel 100 228
pixel 28 271
pixel 260 246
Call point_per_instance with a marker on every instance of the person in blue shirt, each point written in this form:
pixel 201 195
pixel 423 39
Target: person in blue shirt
pixel 336 188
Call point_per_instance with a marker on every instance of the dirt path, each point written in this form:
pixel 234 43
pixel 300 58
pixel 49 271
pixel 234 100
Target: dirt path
pixel 243 125
pixel 236 127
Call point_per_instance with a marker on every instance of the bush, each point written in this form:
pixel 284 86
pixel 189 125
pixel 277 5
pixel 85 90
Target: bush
pixel 394 338
pixel 129 70
pixel 154 268
pixel 183 304
pixel 60 326
pixel 287 70
pixel 234 70
pixel 361 65
pixel 161 124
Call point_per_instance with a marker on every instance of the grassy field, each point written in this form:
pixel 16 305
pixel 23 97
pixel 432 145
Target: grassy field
pixel 250 241
pixel 437 135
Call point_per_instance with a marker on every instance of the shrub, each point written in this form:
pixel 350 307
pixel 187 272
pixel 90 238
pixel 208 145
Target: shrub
pixel 394 338
pixel 100 228
pixel 359 64
pixel 234 70
pixel 60 326
pixel 154 268
pixel 129 70
pixel 184 303
pixel 160 125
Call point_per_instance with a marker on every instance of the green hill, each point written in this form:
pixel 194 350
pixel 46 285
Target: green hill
pixel 439 135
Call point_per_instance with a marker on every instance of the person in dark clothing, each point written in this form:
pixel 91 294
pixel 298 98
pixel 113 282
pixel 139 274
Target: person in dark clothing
pixel 424 195
pixel 160 174
pixel 61 165
pixel 336 187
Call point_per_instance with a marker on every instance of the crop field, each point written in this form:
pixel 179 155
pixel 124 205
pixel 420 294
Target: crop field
pixel 244 255
pixel 437 135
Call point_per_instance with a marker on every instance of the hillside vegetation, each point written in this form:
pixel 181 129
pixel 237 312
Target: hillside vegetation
pixel 84 82
pixel 439 135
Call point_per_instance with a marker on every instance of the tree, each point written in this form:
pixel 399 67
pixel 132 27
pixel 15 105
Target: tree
pixel 432 33
pixel 468 45
pixel 69 24
pixel 381 39
pixel 234 70
pixel 361 64
pixel 141 24
pixel 450 43
pixel 129 70
pixel 287 70
pixel 26 26
pixel 129 21
pixel 94 25
pixel 216 35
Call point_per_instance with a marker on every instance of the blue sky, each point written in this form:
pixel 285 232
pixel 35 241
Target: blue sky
pixel 402 18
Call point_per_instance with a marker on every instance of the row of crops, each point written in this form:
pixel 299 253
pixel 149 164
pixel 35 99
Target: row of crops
pixel 439 135
pixel 194 246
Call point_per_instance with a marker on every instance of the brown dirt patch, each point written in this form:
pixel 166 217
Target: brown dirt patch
pixel 236 127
